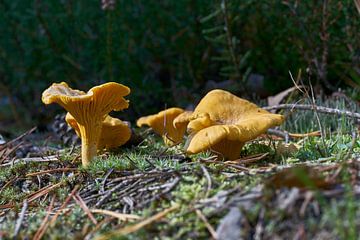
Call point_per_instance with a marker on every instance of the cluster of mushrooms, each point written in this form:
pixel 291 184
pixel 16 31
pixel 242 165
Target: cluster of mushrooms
pixel 221 122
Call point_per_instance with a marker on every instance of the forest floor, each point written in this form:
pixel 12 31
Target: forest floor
pixel 307 188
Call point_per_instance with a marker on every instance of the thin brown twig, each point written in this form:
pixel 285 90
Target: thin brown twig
pixel 207 224
pixel 320 109
pixel 32 159
pixel 238 167
pixel 20 219
pixel 51 171
pixel 249 159
pixel 83 205
pixel 89 235
pixel 120 216
pixel 138 226
pixel 112 190
pixel 168 188
pixel 43 191
pixel 208 179
pixel 323 133
pixel 45 223
pixel 20 137
pixel 66 202
pixel 103 183
pixel 8 183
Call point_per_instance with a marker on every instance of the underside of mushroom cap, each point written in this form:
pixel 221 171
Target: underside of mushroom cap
pixel 162 124
pixel 114 132
pixel 88 109
pixel 96 103
pixel 244 131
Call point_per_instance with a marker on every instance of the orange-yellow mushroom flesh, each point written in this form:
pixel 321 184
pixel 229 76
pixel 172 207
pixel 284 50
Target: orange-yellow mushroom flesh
pixel 162 124
pixel 114 132
pixel 88 109
pixel 223 122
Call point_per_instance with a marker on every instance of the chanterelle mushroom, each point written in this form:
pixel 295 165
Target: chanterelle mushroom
pixel 162 124
pixel 114 132
pixel 223 122
pixel 182 120
pixel 89 109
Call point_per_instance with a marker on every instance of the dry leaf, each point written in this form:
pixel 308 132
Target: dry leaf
pixel 300 176
pixel 287 149
pixel 275 100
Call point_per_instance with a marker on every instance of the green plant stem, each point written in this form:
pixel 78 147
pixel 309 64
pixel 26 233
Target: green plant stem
pixel 109 46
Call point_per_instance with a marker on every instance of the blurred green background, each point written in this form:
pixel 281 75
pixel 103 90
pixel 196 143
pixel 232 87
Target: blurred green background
pixel 171 52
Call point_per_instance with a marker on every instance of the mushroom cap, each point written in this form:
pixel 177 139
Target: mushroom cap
pixel 162 124
pixel 114 132
pixel 182 120
pixel 221 116
pixel 89 110
pixel 96 103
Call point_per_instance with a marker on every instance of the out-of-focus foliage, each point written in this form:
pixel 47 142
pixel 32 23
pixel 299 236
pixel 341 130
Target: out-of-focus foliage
pixel 321 37
pixel 166 51
pixel 147 45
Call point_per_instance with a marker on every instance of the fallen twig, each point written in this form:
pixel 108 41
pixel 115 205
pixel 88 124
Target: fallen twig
pixel 66 202
pixel 138 226
pixel 302 135
pixel 102 188
pixel 112 190
pixel 207 224
pixel 83 205
pixel 51 171
pixel 20 219
pixel 208 179
pixel 320 109
pixel 238 167
pixel 19 137
pixel 45 223
pixel 120 216
pixel 52 158
pixel 43 191
pixel 169 187
pixel 249 159
pixel 90 234
pixel 8 183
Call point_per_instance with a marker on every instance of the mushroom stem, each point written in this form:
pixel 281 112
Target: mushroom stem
pixel 89 140
pixel 228 149
pixel 88 152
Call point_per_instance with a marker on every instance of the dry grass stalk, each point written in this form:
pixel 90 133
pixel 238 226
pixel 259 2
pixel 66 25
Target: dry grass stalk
pixel 207 224
pixel 66 202
pixel 138 226
pixel 45 223
pixel 83 205
pixel 120 216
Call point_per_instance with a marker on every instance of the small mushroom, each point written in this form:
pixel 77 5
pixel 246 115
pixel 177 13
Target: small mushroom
pixel 162 124
pixel 89 109
pixel 223 122
pixel 114 132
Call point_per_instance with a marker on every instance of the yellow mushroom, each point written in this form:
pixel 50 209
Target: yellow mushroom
pixel 114 132
pixel 223 122
pixel 182 120
pixel 162 124
pixel 89 109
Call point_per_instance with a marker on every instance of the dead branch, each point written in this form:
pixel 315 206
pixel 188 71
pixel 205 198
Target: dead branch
pixel 320 109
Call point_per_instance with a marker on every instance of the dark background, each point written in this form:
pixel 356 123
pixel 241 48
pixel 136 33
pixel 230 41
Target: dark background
pixel 170 53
